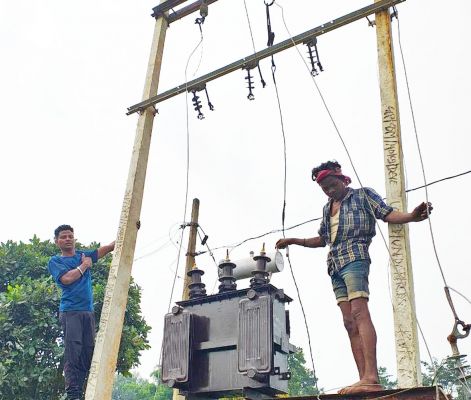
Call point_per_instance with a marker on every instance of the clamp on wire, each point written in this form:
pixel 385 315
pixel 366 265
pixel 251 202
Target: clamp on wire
pixel 456 333
pixel 271 34
pixel 203 13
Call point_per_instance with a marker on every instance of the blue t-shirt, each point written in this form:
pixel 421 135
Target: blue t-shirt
pixel 78 296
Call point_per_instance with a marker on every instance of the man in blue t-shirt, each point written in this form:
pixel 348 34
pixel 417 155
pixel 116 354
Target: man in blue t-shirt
pixel 71 271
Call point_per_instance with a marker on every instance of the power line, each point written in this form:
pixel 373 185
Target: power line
pixel 326 107
pixel 233 246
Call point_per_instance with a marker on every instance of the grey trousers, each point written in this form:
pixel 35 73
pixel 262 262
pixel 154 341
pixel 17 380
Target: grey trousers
pixel 79 340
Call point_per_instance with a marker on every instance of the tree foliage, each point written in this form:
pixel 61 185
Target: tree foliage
pixel 447 375
pixel 386 379
pixel 30 335
pixel 303 380
pixel 135 388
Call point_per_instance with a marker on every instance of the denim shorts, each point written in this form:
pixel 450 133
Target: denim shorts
pixel 351 281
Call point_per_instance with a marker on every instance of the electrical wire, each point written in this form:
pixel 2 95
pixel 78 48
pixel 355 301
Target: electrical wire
pixel 250 26
pixel 211 254
pixel 187 168
pixel 418 146
pixel 422 165
pixel 153 251
pixel 462 295
pixel 233 246
pixel 351 162
pixel 283 217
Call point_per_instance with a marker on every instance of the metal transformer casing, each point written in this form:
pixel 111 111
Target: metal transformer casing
pixel 231 343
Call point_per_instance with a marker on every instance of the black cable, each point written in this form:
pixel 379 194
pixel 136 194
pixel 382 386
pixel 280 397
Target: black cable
pixel 283 216
pixel 206 243
pixel 437 181
pixel 187 181
pixel 319 218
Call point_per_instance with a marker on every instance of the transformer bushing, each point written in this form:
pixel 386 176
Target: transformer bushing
pixel 260 274
pixel 196 287
pixel 227 277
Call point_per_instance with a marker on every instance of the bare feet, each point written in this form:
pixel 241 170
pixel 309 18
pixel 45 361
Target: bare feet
pixel 362 386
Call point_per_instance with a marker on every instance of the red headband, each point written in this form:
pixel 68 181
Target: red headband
pixel 327 172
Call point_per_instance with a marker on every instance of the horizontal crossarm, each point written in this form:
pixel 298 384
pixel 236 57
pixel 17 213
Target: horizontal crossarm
pixel 269 51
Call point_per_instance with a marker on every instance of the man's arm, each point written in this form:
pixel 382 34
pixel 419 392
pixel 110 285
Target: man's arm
pixel 420 213
pixel 76 273
pixel 317 241
pixel 104 250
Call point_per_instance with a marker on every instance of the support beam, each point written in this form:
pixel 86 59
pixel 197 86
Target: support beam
pixel 102 372
pixel 253 59
pixel 180 13
pixel 405 323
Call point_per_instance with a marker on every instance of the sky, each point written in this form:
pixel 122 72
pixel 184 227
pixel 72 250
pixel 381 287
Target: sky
pixel 70 70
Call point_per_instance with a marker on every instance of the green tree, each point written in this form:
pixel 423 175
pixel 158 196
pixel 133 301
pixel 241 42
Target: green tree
pixel 385 379
pixel 135 388
pixel 303 380
pixel 30 335
pixel 447 375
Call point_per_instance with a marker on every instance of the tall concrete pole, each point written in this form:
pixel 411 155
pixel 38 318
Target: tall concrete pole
pixel 405 324
pixel 190 258
pixel 100 381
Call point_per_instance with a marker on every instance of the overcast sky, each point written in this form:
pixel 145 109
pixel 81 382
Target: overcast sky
pixel 70 69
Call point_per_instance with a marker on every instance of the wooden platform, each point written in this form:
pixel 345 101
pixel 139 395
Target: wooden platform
pixel 419 393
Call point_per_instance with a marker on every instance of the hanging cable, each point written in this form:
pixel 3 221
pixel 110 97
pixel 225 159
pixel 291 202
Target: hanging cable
pixel 271 37
pixel 248 77
pixel 187 179
pixel 353 167
pixel 273 231
pixel 458 321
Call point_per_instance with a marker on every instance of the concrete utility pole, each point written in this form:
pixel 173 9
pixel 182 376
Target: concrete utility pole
pixel 405 323
pixel 100 381
pixel 190 258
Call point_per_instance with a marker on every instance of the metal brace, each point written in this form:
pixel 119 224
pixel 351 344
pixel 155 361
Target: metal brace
pixel 153 109
pixel 456 334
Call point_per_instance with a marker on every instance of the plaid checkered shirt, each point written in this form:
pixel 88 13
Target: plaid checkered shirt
pixel 358 211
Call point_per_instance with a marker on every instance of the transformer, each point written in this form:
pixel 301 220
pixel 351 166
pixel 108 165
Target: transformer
pixel 233 343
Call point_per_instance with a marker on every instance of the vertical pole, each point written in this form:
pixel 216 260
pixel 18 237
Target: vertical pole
pixel 405 324
pixel 190 258
pixel 102 371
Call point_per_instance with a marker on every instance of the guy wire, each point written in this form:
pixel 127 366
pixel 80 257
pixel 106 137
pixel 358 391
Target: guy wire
pixel 283 216
pixel 187 170
pixel 422 165
pixel 418 146
pixel 351 163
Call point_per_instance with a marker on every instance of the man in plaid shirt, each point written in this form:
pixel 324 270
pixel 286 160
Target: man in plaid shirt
pixel 348 226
